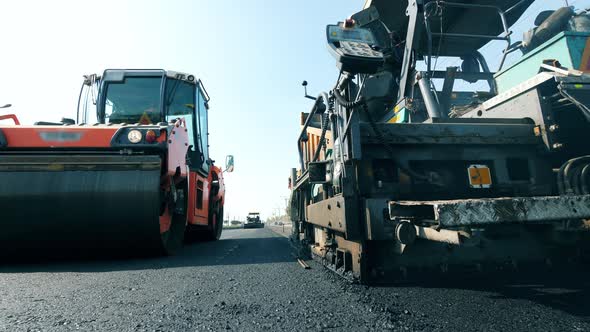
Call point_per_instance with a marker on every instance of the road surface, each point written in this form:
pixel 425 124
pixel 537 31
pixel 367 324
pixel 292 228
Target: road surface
pixel 249 280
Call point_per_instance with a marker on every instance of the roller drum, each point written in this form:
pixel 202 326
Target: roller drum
pixel 78 203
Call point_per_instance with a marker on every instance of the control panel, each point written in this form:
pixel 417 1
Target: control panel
pixel 354 48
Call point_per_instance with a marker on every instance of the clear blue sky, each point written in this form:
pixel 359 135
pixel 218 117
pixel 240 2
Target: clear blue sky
pixel 251 56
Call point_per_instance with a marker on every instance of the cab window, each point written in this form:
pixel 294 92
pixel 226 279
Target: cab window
pixel 203 129
pixel 180 103
pixel 136 99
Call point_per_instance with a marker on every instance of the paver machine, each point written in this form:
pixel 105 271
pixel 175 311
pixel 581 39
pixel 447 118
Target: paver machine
pixel 408 167
pixel 253 220
pixel 131 174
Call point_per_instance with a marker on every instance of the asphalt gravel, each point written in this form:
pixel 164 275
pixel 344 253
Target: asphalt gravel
pixel 250 280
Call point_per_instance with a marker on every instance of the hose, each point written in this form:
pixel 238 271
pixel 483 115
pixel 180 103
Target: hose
pixel 566 173
pixel 348 104
pixel 569 173
pixel 325 123
pixel 576 181
pixel 78 108
pixel 365 108
pixel 584 177
pixel 585 110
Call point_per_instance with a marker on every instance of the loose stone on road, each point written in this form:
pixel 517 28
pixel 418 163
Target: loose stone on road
pixel 251 280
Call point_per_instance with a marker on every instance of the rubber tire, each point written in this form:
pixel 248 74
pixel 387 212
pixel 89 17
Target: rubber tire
pixel 214 233
pixel 200 233
pixel 173 239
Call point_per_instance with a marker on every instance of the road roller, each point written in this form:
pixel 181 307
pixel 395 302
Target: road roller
pixel 132 173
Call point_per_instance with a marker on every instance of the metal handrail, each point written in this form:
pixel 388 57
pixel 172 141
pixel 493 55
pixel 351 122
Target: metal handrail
pixel 11 117
pixel 322 98
pixel 501 13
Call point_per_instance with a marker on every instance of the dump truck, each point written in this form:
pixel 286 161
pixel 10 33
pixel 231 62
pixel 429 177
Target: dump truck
pixel 131 174
pixel 406 167
pixel 253 221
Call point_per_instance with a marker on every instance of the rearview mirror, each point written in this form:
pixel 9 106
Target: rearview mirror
pixel 229 163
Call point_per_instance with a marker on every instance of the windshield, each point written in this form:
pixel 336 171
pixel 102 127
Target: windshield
pixel 253 217
pixel 135 100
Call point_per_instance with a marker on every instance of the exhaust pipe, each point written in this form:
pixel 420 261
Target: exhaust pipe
pixel 406 233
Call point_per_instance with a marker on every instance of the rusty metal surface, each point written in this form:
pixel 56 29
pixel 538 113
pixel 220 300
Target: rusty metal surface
pixel 301 181
pixel 443 235
pixel 521 88
pixel 376 225
pixel 472 212
pixel 451 133
pixel 329 213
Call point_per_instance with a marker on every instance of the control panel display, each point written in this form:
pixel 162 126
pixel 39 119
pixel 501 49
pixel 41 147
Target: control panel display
pixel 354 48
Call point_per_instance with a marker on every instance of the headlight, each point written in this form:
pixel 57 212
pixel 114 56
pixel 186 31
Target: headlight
pixel 134 136
pixel 150 136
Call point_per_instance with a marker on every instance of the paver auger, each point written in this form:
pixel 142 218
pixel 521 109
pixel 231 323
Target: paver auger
pixel 404 166
pixel 132 173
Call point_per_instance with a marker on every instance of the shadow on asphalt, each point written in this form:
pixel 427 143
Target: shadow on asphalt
pixel 562 291
pixel 226 251
pixel 566 290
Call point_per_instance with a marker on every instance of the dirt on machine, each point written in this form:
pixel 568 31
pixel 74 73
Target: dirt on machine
pixel 427 154
pixel 131 174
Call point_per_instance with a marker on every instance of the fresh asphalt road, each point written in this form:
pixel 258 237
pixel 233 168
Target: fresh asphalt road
pixel 250 280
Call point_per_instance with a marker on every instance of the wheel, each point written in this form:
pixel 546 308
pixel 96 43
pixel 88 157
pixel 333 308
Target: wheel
pixel 220 223
pixel 175 215
pixel 211 233
pixel 214 233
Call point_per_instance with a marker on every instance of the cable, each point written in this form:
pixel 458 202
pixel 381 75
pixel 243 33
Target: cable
pixel 322 142
pixel 585 110
pixel 78 108
pixel 441 36
pixel 365 108
pixel 345 103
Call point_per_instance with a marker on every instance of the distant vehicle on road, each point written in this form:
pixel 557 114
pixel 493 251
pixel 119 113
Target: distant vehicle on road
pixel 253 221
